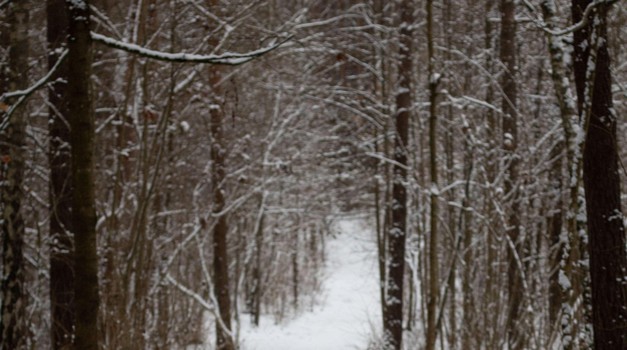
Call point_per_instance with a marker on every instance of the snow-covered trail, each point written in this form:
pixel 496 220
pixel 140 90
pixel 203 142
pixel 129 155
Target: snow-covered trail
pixel 349 310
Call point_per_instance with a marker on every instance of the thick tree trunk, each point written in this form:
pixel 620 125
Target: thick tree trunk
pixel 221 228
pixel 83 200
pixel 12 313
pixel 61 247
pixel 507 55
pixel 397 234
pixel 566 254
pixel 608 257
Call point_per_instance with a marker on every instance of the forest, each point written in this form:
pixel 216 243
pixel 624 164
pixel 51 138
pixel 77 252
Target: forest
pixel 172 170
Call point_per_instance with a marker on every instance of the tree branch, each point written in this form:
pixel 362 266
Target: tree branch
pixel 576 26
pixel 232 59
pixel 24 94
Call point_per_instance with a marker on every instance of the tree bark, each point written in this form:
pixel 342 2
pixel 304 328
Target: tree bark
pixel 83 199
pixel 492 302
pixel 434 268
pixel 13 311
pixel 510 143
pixel 566 254
pixel 59 158
pixel 221 228
pixel 397 234
pixel 601 178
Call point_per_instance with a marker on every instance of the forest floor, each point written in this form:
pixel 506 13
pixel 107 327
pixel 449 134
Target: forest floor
pixel 347 314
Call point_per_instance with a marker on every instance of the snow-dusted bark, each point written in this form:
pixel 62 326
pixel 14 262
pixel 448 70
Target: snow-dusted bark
pixel 231 59
pixel 397 234
pixel 566 248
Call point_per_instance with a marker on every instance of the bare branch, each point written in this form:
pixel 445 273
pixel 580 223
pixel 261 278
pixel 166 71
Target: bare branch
pixel 575 27
pixel 232 59
pixel 24 94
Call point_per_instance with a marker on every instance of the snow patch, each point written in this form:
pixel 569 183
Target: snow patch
pixel 350 307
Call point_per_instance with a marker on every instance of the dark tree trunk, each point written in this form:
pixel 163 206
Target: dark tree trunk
pixel 608 257
pixel 220 230
pixel 397 234
pixel 61 249
pixel 434 268
pixel 83 203
pixel 13 298
pixel 510 143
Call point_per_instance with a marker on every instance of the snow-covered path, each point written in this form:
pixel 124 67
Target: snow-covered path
pixel 349 311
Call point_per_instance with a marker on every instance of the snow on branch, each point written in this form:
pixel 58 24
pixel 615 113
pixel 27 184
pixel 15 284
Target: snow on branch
pixel 23 94
pixel 200 300
pixel 38 84
pixel 232 59
pixel 576 26
pixel 191 294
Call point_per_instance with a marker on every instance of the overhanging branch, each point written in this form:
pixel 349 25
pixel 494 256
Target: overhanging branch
pixel 231 59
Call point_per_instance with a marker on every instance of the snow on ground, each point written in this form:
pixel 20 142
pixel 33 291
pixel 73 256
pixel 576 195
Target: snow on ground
pixel 349 310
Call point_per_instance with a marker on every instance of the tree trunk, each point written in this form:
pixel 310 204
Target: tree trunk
pixel 257 270
pixel 83 202
pixel 434 268
pixel 397 234
pixel 12 314
pixel 507 55
pixel 494 234
pixel 554 225
pixel 62 247
pixel 567 253
pixel 221 228
pixel 608 257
